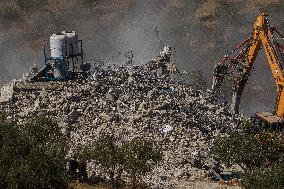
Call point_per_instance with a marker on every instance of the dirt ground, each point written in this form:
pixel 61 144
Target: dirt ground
pixel 185 185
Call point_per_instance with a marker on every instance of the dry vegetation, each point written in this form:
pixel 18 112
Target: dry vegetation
pixel 210 10
pixel 177 3
pixel 38 18
pixel 207 13
pixel 87 186
pixel 114 5
pixel 252 5
pixel 78 185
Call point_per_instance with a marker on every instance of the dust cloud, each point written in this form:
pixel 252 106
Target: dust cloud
pixel 201 32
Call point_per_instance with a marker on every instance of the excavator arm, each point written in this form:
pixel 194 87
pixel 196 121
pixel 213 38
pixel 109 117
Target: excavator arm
pixel 277 72
pixel 262 37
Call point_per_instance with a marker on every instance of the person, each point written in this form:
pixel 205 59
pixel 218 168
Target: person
pixel 73 167
pixel 83 176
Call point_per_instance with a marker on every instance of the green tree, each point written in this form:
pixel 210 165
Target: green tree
pixel 140 157
pixel 265 178
pixel 32 155
pixel 259 151
pixel 136 157
pixel 13 147
pixel 250 147
pixel 106 152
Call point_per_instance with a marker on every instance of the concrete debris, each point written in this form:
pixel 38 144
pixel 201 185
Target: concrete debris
pixel 72 117
pixel 131 101
pixel 7 92
pixel 163 62
pixel 225 176
pixel 166 129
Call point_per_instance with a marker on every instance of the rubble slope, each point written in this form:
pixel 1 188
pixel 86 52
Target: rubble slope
pixel 131 102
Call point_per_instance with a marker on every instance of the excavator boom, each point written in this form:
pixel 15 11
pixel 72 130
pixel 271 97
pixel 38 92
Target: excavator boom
pixel 262 38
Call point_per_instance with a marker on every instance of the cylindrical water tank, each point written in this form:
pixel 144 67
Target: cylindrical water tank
pixel 72 43
pixel 58 45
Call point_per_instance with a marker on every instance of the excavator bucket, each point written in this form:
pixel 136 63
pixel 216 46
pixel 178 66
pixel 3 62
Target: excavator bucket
pixel 268 119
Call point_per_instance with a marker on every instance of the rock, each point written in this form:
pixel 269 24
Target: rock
pixel 163 178
pixel 72 117
pixel 166 129
pixel 178 173
pixel 7 92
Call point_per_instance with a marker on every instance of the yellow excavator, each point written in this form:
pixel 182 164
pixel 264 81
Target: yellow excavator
pixel 240 62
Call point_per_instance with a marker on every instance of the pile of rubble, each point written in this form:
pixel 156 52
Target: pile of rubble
pixel 131 101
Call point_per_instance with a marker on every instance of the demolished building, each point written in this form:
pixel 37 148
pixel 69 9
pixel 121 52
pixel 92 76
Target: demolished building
pixel 130 102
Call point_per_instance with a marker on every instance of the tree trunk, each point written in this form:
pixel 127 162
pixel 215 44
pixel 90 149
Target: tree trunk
pixel 133 180
pixel 111 177
pixel 120 171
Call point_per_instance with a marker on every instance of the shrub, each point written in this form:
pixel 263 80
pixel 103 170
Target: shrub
pixel 269 178
pixel 259 151
pixel 31 4
pixel 140 157
pixel 43 130
pixel 13 146
pixel 107 153
pixel 9 13
pixel 32 156
pixel 91 1
pixel 136 157
pixel 252 147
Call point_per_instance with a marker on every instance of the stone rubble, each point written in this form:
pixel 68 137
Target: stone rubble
pixel 131 101
pixel 7 92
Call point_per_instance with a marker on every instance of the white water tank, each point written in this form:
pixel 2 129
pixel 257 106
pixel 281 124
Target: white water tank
pixel 72 43
pixel 58 45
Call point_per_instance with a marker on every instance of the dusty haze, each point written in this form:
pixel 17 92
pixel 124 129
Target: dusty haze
pixel 201 31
